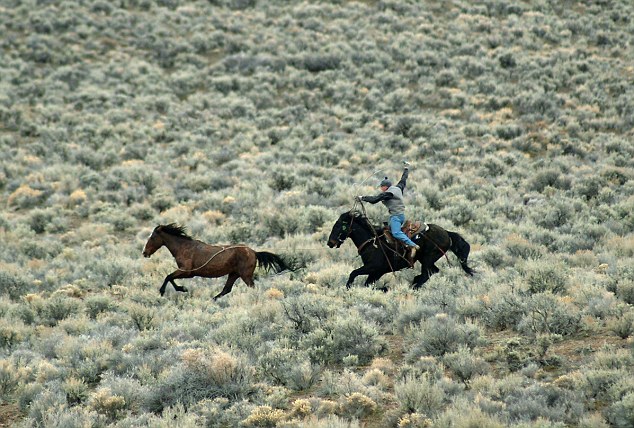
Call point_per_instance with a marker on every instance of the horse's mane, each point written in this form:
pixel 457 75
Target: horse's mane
pixel 365 221
pixel 175 230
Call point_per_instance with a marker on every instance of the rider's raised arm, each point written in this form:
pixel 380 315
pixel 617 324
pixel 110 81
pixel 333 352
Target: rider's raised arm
pixel 403 179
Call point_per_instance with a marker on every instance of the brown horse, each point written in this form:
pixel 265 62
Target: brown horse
pixel 195 258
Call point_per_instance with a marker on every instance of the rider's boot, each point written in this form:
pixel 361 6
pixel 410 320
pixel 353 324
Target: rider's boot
pixel 411 254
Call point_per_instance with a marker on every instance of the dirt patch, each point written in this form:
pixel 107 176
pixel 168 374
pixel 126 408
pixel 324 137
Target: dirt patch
pixel 9 414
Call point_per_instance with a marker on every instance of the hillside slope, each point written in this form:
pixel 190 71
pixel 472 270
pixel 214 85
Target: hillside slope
pixel 257 122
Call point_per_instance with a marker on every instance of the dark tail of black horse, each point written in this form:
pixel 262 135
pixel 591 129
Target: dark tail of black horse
pixel 270 261
pixel 461 249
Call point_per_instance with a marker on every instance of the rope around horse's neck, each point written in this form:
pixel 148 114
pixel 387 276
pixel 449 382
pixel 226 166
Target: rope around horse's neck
pixel 211 258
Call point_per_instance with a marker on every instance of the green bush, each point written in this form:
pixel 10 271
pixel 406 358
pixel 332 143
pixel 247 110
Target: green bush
pixel 14 284
pixel 289 367
pixel 440 335
pixel 464 365
pixel 545 313
pixel 58 308
pixel 545 276
pixel 546 402
pixel 202 374
pixel 420 395
pixel 353 335
pixel 621 413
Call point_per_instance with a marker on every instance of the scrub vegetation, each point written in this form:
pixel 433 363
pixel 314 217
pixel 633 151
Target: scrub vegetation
pixel 257 122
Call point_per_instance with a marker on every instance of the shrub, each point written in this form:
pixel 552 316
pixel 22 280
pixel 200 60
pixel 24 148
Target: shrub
pixel 420 395
pixel 354 336
pixel 111 271
pixel 202 374
pixel 622 325
pixel 11 333
pixel 464 364
pixel 621 413
pixel 220 412
pixel 39 219
pixel 520 247
pixel 106 403
pixel 58 308
pixel 357 405
pixel 128 388
pixel 46 404
pixel 13 284
pixel 548 314
pixel 548 178
pixel 307 312
pixel 414 420
pixel 316 62
pixel 71 417
pixel 440 335
pixel 467 415
pixel 25 197
pixel 289 367
pixel 625 290
pixel 97 304
pixel 264 416
pixel 143 318
pixel 76 391
pixel 545 276
pixel 553 216
pixel 9 378
pixel 548 402
pixel 596 383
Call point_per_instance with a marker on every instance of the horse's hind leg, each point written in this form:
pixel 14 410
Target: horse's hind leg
pixel 425 273
pixel 231 279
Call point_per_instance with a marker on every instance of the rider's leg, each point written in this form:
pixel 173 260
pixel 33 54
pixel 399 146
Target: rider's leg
pixel 396 222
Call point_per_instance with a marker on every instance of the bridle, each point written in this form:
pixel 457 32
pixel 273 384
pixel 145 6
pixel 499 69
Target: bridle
pixel 347 228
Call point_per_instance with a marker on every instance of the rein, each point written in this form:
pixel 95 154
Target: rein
pixel 444 253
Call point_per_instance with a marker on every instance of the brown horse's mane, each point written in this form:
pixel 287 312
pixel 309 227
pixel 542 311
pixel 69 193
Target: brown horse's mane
pixel 174 230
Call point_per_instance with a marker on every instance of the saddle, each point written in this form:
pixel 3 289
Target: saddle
pixel 410 228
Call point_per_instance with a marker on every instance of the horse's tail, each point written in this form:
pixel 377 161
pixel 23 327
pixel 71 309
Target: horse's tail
pixel 461 249
pixel 270 261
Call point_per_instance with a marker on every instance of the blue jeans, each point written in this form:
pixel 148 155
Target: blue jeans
pixel 396 222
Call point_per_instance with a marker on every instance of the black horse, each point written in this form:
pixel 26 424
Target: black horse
pixel 379 257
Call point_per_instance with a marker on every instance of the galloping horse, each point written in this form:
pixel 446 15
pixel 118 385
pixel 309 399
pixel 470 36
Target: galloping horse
pixel 195 258
pixel 379 257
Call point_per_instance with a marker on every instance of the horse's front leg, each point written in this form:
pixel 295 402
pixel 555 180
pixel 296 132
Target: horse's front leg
pixel 170 278
pixel 372 278
pixel 363 270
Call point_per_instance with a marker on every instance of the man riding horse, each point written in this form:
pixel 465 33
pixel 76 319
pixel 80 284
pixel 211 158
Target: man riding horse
pixel 392 198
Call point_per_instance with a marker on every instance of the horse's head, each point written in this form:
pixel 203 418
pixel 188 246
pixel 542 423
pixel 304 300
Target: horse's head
pixel 342 228
pixel 154 242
